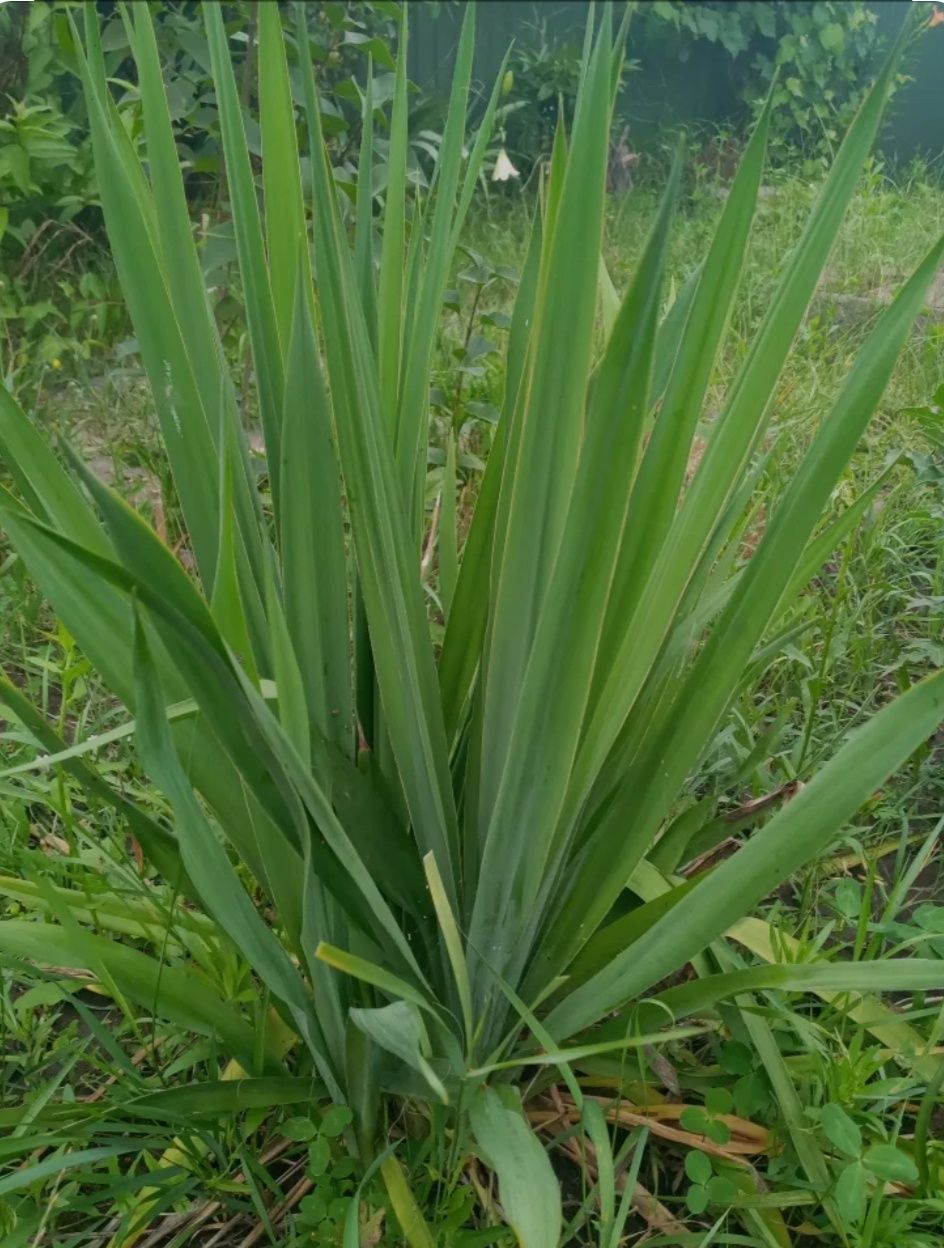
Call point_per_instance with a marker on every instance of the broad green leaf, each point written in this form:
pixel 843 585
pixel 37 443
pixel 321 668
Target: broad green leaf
pixel 399 1028
pixel 221 1096
pixel 841 1130
pixel 890 1164
pixel 851 1193
pixel 527 1186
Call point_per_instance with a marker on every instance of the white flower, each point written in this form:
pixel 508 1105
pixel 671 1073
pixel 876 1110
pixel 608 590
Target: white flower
pixel 504 169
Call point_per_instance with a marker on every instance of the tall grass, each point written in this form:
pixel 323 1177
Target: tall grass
pixel 427 858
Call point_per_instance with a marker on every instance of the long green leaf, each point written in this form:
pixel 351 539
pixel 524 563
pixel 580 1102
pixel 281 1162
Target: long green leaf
pixel 796 833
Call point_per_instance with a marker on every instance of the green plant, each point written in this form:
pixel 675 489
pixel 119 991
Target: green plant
pixel 323 1211
pixel 57 306
pixel 541 84
pixel 823 50
pixel 340 40
pixel 46 177
pixel 440 872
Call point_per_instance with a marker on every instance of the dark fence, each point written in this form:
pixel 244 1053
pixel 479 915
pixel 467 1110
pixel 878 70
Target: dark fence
pixel 660 93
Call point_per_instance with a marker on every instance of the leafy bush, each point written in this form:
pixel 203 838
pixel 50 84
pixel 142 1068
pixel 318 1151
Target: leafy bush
pixel 824 54
pixel 45 155
pixel 824 51
pixel 49 202
pixel 541 82
pixel 449 871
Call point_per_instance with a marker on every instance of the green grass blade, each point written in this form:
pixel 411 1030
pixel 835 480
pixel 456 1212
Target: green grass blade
pixel 47 487
pixel 877 975
pixel 314 563
pixel 465 628
pixel 448 529
pixel 227 603
pixel 393 242
pixel 578 1052
pixel 289 684
pixel 453 943
pixel 364 219
pixel 250 247
pixel 832 536
pixel 281 176
pixel 370 973
pixel 906 1042
pixel 409 1215
pixel 413 408
pixel 158 844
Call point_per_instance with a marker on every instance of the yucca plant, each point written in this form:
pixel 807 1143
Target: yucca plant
pixel 448 868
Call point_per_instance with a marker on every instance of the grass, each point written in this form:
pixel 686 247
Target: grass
pixel 111 1068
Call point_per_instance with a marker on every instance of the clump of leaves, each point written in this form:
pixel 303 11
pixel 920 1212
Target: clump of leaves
pixel 450 851
pixel 861 1168
pixel 323 1211
pixel 824 52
